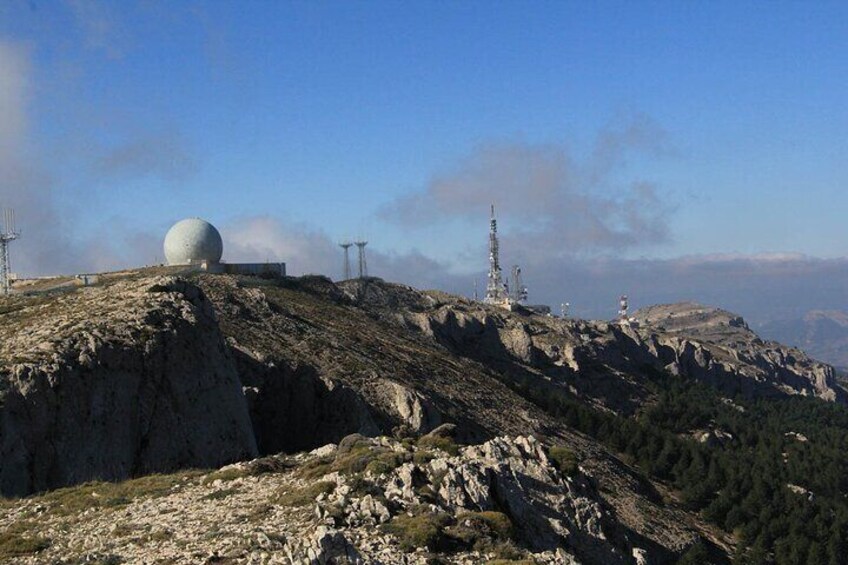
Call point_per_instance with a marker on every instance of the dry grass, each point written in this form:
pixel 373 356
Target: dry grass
pixel 16 544
pixel 306 495
pixel 71 500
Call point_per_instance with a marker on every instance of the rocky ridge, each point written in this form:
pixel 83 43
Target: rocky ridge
pixel 150 373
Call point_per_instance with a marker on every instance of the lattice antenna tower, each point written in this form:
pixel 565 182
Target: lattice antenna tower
pixel 363 265
pixel 564 308
pixel 8 233
pixel 346 245
pixel 495 288
pixel 518 292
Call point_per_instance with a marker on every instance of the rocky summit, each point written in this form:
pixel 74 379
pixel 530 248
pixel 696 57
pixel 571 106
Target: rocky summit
pixel 166 417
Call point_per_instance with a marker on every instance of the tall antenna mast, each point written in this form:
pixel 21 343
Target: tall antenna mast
pixel 363 266
pixel 495 288
pixel 346 246
pixel 8 233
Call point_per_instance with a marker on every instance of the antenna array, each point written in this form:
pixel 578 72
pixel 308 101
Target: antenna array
pixel 8 233
pixel 517 290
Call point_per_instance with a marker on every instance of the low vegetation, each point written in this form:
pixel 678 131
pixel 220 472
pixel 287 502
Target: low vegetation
pixel 305 495
pixel 487 532
pixel 78 498
pixel 16 544
pixel 565 459
pixel 422 528
pixel 446 444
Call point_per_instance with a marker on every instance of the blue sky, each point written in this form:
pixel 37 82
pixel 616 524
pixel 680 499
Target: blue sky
pixel 321 120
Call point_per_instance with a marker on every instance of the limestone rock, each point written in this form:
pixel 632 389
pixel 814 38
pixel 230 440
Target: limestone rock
pixel 136 379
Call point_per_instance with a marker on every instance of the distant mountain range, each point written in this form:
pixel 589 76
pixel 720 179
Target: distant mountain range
pixel 823 334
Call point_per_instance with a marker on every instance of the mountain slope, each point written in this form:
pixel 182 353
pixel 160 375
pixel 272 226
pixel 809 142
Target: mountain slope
pixel 317 361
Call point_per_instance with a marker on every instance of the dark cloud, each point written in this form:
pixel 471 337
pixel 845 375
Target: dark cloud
pixel 568 206
pixel 158 154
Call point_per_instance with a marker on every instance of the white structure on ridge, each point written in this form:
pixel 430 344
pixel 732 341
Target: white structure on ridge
pixel 193 241
pixel 8 233
pixel 197 244
pixel 496 290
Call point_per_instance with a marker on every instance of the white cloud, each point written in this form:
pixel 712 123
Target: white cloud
pixel 568 206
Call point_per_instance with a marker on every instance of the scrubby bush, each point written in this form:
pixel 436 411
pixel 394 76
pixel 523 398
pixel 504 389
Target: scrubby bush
pixel 565 459
pixel 446 444
pixel 422 529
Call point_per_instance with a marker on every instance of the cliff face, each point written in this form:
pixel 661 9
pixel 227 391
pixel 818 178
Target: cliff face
pixel 606 363
pixel 116 382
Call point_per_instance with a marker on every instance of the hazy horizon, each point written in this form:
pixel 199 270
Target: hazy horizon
pixel 669 151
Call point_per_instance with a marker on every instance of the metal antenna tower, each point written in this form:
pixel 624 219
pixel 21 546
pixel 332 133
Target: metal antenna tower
pixel 517 290
pixel 564 307
pixel 363 266
pixel 495 288
pixel 346 246
pixel 7 233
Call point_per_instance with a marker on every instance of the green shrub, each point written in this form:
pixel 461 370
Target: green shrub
pixel 565 459
pixel 386 462
pixel 497 523
pixel 424 529
pixel 446 444
pixel 422 457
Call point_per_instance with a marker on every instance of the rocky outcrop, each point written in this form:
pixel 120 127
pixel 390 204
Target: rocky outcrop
pixel 512 478
pixel 718 347
pixel 116 384
pixel 607 362
pixel 366 501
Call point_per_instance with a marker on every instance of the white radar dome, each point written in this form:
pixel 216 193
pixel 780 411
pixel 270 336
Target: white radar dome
pixel 191 241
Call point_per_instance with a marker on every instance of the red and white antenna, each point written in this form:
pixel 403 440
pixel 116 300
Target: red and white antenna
pixel 622 310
